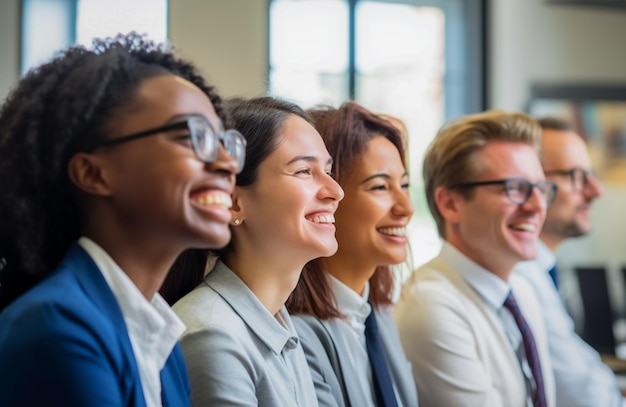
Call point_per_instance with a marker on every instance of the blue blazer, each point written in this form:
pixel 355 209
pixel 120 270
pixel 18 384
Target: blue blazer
pixel 65 343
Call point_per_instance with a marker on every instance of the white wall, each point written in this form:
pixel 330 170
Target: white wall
pixel 532 41
pixel 227 38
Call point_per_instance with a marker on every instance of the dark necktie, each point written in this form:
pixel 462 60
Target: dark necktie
pixel 530 348
pixel 554 276
pixel 383 386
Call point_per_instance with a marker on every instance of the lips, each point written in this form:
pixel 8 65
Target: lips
pixel 212 198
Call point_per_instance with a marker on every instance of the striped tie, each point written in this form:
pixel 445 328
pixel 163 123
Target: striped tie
pixel 530 347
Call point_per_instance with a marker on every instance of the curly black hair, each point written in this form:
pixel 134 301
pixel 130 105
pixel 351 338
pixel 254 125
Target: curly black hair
pixel 58 109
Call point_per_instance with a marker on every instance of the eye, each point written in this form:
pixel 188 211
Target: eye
pixel 184 139
pixel 380 187
pixel 303 171
pixel 406 185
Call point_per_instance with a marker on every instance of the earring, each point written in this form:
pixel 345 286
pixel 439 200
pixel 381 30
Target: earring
pixel 236 221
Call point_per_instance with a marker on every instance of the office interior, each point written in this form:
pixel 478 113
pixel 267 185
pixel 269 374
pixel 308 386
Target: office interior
pixel 526 42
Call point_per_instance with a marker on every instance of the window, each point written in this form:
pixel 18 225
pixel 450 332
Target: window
pixel 51 25
pixel 418 60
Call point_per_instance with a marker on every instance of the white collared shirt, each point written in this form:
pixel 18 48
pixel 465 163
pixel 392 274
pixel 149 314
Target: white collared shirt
pixel 152 326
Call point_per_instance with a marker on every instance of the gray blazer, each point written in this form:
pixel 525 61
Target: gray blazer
pixel 325 346
pixel 237 353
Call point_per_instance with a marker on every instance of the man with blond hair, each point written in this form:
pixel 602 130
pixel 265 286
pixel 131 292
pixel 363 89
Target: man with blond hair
pixel 471 329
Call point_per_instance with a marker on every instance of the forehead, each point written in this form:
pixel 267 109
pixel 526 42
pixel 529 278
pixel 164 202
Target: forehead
pixel 498 160
pixel 379 156
pixel 563 149
pixel 297 138
pixel 162 97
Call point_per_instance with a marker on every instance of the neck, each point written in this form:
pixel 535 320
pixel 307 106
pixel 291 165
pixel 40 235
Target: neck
pixel 553 242
pixel 350 272
pixel 270 281
pixel 146 264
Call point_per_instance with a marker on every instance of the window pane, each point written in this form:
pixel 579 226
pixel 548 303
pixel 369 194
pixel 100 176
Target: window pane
pixel 47 26
pixel 309 50
pixel 400 71
pixel 104 18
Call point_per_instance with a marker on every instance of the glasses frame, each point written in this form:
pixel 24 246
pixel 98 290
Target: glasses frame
pixel 585 175
pixel 226 137
pixel 549 194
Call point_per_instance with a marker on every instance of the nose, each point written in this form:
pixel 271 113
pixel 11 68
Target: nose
pixel 536 201
pixel 330 189
pixel 223 163
pixel 592 189
pixel 403 205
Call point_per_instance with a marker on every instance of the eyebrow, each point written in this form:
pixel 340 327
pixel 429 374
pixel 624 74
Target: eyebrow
pixel 381 175
pixel 308 158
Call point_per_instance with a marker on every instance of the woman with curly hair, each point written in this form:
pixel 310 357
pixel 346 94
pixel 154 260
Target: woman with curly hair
pixel 342 303
pixel 113 161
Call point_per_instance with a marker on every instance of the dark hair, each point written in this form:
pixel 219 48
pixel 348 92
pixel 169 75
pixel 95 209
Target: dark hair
pixel 346 131
pixel 555 123
pixel 260 120
pixel 58 109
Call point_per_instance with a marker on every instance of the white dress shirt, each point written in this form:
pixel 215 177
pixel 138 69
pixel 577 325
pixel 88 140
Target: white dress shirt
pixel 152 326
pixel 581 379
pixel 355 309
pixel 465 348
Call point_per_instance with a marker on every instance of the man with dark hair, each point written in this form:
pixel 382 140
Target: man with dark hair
pixel 581 379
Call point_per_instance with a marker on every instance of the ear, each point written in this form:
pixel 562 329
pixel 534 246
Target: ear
pixel 447 201
pixel 237 209
pixel 87 174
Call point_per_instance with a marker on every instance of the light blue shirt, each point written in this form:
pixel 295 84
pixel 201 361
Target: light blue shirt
pixel 581 379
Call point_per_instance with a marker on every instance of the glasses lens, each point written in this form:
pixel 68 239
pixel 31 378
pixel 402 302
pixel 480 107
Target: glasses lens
pixel 579 178
pixel 518 190
pixel 235 146
pixel 548 190
pixel 203 139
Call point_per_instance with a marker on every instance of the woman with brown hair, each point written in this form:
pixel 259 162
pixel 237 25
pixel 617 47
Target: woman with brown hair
pixel 340 300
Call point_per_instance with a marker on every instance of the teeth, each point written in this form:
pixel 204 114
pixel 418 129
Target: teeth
pixel 213 198
pixel 393 231
pixel 529 227
pixel 323 219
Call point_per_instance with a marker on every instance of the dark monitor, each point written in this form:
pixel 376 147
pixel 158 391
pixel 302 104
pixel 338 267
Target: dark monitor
pixel 598 325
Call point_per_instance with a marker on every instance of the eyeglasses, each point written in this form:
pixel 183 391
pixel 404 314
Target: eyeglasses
pixel 518 190
pixel 204 139
pixel 578 176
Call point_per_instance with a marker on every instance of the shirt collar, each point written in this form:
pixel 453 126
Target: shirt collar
pixel 152 325
pixel 491 288
pixel 277 332
pixel 350 303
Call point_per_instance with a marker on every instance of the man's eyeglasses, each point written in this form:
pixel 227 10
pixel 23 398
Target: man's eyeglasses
pixel 518 190
pixel 578 176
pixel 204 139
